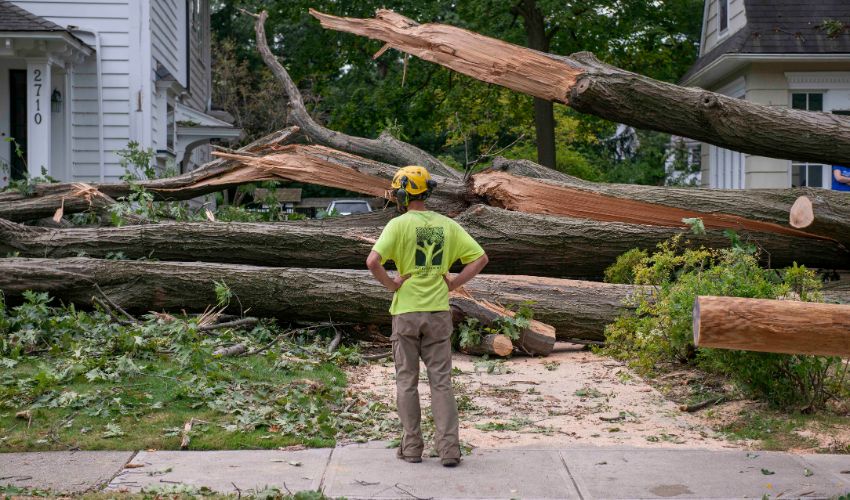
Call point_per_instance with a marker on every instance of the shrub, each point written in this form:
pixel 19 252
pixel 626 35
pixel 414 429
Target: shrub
pixel 623 269
pixel 659 330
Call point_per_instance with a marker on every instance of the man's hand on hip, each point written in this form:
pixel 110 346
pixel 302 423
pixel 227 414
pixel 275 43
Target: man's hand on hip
pixel 397 282
pixel 450 282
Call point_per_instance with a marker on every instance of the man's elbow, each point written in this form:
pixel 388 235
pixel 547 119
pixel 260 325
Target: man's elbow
pixel 373 261
pixel 484 260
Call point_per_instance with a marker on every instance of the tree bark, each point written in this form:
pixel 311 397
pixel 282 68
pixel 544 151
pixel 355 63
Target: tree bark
pixel 515 242
pixel 576 309
pixel 385 148
pixel 81 197
pixel 590 86
pixel 782 326
pixel 544 114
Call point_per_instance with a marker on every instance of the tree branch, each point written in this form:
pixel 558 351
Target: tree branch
pixel 385 148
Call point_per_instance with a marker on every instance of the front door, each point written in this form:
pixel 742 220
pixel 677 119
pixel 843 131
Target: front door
pixel 18 122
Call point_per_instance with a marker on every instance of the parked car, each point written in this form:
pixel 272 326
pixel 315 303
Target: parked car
pixel 348 207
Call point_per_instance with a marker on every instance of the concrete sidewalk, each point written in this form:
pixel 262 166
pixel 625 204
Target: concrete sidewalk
pixel 372 471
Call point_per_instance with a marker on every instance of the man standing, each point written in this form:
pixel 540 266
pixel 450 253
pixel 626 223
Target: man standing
pixel 423 244
pixel 840 178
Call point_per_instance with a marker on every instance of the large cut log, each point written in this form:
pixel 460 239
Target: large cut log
pixel 590 86
pixel 46 198
pixel 823 212
pixel 577 309
pixel 385 148
pixel 782 326
pixel 515 242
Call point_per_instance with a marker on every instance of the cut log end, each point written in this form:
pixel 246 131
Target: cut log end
pixel 802 214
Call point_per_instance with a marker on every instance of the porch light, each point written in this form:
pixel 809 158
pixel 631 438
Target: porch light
pixel 56 101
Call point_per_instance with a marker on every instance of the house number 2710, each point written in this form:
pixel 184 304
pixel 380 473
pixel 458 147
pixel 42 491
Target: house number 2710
pixel 37 86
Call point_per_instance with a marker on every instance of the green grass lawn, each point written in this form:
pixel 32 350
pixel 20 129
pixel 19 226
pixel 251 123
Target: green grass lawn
pixel 149 410
pixel 81 380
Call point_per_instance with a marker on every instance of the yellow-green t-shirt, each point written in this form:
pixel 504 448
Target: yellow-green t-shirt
pixel 424 244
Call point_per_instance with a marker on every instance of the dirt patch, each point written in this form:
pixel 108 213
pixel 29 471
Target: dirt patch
pixel 566 399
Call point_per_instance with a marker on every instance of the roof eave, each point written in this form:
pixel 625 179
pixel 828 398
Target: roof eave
pixel 62 35
pixel 722 67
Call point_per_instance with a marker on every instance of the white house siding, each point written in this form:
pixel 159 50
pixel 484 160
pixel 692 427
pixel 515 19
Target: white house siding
pixel 768 84
pixel 711 35
pixel 111 18
pixel 168 28
pixel 199 60
pixel 723 168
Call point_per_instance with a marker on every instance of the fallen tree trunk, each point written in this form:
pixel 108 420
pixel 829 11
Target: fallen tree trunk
pixel 81 197
pixel 516 243
pixel 576 309
pixel 823 212
pixel 590 86
pixel 782 326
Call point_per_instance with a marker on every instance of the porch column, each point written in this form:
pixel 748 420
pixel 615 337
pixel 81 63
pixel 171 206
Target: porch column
pixel 39 88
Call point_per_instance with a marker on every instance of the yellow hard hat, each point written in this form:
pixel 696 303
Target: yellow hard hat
pixel 413 179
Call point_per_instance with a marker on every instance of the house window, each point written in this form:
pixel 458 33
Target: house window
pixel 802 173
pixel 170 128
pixel 723 15
pixel 809 101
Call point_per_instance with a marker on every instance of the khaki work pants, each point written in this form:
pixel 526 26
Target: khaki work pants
pixel 426 335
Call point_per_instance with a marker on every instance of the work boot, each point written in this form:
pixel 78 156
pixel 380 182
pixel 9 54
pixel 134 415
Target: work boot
pixel 450 462
pixel 410 460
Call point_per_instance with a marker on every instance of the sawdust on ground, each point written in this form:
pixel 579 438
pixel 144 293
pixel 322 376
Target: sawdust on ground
pixel 569 398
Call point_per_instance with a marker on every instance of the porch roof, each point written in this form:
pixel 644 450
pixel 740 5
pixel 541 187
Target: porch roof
pixel 18 23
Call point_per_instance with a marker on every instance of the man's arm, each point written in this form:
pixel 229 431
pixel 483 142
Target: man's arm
pixel 468 272
pixel 840 177
pixel 373 262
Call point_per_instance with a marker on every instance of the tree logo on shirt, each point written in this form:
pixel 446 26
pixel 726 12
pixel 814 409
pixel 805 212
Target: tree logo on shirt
pixel 429 246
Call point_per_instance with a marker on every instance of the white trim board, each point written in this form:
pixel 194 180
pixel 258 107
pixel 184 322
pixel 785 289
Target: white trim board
pixel 832 80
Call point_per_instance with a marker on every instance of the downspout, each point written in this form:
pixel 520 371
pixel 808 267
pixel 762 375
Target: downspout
pixel 96 35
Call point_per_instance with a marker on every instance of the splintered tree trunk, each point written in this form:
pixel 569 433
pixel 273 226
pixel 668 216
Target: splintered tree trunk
pixel 590 86
pixel 80 197
pixel 515 242
pixel 782 326
pixel 576 309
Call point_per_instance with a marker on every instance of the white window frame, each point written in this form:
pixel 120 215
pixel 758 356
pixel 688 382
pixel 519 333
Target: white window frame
pixel 826 170
pixel 733 173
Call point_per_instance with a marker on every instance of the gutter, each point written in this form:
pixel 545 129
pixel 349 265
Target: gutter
pixel 755 58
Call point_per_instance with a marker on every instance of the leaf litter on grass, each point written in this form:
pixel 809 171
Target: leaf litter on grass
pixel 91 382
